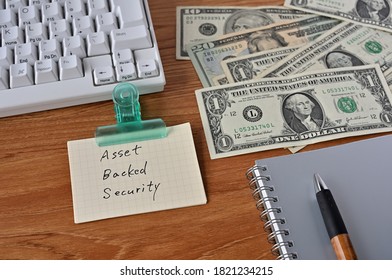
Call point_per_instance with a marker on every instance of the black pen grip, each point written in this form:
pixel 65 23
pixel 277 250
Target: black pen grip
pixel 330 212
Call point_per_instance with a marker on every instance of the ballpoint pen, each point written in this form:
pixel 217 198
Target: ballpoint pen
pixel 337 231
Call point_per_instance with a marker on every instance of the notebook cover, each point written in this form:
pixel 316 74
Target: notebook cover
pixel 359 177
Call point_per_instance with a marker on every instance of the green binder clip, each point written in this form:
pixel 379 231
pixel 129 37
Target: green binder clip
pixel 130 127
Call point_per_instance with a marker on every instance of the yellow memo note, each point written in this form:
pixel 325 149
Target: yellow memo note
pixel 135 178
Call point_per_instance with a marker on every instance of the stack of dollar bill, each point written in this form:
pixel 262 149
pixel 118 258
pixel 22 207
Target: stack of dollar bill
pixel 289 76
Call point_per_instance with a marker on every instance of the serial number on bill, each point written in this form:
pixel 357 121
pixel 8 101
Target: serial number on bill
pixel 341 89
pixel 243 270
pixel 254 127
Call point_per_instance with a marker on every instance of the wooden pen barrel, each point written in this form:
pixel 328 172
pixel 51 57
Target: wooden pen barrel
pixel 343 248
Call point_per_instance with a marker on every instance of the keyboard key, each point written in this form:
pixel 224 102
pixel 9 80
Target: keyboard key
pixel 51 12
pixel 96 7
pixel 126 72
pixel 74 46
pixel 45 71
pixel 59 29
pixel 82 26
pixel 7 18
pixel 11 36
pixel 97 44
pixel 25 53
pixel 49 49
pixel 70 67
pixel 106 22
pixel 21 75
pixel 147 68
pixel 74 9
pixel 122 57
pixel 28 15
pixel 129 13
pixel 103 75
pixel 36 33
pixel 137 37
pixel 15 4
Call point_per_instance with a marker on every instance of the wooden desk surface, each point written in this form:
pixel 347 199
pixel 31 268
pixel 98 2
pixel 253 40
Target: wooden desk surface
pixel 36 213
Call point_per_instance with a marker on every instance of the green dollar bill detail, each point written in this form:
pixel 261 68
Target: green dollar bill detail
pixel 302 109
pixel 347 105
pixel 373 47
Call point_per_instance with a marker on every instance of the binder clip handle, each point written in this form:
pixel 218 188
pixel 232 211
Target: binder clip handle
pixel 126 103
pixel 130 127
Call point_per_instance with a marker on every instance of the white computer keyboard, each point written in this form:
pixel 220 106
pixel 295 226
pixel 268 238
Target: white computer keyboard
pixel 59 53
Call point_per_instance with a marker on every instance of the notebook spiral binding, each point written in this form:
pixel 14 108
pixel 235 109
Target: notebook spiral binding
pixel 266 203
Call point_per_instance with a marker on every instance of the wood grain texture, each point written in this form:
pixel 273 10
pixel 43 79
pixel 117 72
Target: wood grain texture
pixel 343 247
pixel 36 213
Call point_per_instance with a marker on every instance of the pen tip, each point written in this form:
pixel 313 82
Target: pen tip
pixel 319 184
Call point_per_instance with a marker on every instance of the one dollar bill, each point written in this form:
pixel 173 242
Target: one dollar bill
pixel 207 56
pixel 346 45
pixel 198 23
pixel 252 66
pixel 372 13
pixel 302 109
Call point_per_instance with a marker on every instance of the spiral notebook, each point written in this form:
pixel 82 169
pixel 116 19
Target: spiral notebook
pixel 358 175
